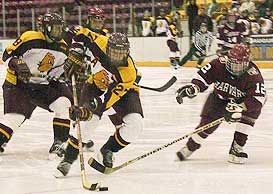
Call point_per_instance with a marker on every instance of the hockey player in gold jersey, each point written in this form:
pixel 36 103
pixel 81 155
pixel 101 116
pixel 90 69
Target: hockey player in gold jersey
pixel 32 59
pixel 111 86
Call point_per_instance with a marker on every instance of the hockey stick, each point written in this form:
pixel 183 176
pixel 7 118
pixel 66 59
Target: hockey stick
pixel 106 170
pixel 85 183
pixel 162 88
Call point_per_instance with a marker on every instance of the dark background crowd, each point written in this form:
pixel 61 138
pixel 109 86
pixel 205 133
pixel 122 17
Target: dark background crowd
pixel 126 16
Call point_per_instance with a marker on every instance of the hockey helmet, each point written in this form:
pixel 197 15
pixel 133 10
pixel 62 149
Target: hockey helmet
pixel 231 18
pixel 95 19
pixel 238 60
pixel 52 26
pixel 118 49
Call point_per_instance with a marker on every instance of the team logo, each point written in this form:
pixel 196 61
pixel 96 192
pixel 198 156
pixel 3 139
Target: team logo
pixel 101 79
pixel 47 62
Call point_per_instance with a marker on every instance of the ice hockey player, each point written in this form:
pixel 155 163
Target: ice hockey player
pixel 95 22
pixel 113 81
pixel 231 33
pixel 238 96
pixel 147 24
pixel 162 23
pixel 201 45
pixel 32 59
pixel 172 35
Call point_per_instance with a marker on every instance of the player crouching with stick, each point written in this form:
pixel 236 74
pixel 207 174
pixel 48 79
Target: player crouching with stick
pixel 112 88
pixel 238 96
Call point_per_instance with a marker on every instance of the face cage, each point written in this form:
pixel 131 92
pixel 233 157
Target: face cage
pixel 54 31
pixel 237 68
pixel 117 55
pixel 95 22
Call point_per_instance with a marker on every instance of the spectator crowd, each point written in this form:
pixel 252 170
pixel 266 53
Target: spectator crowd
pixel 255 15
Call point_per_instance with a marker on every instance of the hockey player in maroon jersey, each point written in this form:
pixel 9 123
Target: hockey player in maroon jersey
pixel 231 33
pixel 238 95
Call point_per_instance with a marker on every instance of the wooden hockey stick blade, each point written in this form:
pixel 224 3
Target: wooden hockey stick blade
pixel 162 88
pixel 91 187
pixel 106 170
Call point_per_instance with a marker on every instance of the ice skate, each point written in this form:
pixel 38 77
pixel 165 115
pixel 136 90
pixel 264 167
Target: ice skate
pixel 56 150
pixel 106 157
pixel 62 169
pixel 236 154
pixel 184 153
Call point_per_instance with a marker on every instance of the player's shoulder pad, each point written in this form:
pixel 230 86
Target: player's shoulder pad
pixel 28 36
pixel 218 63
pixel 32 35
pixel 105 30
pixel 102 41
pixel 168 18
pixel 24 38
pixel 99 39
pixel 253 70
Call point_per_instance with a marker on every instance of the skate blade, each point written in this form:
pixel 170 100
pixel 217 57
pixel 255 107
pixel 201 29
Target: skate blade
pixel 236 160
pixel 58 174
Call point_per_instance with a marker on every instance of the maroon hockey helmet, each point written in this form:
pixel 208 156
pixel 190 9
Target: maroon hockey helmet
pixel 238 60
pixel 118 49
pixel 95 19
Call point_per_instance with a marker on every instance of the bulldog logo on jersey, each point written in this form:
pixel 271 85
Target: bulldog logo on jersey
pixel 47 62
pixel 101 79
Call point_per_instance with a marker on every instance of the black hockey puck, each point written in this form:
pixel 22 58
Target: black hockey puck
pixel 103 189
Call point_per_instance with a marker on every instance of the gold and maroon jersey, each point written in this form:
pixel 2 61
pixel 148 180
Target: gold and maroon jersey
pixel 172 32
pixel 113 81
pixel 248 88
pixel 162 24
pixel 44 59
pixel 147 25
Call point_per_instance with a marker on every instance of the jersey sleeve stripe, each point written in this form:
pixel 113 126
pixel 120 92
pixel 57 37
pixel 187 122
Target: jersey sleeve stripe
pixel 200 78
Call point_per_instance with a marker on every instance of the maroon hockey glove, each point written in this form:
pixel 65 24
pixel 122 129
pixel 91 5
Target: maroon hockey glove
pixel 189 91
pixel 21 69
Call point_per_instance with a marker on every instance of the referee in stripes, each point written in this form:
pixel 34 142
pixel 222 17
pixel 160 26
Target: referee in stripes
pixel 200 46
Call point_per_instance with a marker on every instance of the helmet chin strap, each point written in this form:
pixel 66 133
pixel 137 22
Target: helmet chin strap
pixel 48 39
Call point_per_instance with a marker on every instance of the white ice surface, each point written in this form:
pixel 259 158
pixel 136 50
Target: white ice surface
pixel 24 168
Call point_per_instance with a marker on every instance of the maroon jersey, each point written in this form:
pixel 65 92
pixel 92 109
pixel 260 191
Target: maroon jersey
pixel 248 88
pixel 228 36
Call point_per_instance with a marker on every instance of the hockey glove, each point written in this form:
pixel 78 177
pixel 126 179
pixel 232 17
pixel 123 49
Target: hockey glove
pixel 81 113
pixel 189 91
pixel 74 63
pixel 21 69
pixel 84 113
pixel 233 112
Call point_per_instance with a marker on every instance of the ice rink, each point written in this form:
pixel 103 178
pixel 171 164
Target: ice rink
pixel 25 169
